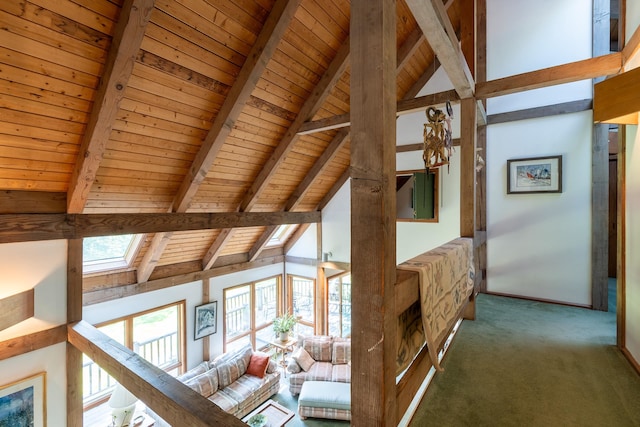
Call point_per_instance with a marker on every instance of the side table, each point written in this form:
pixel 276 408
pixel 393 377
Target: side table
pixel 283 347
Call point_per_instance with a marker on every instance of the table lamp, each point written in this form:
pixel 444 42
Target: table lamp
pixel 122 404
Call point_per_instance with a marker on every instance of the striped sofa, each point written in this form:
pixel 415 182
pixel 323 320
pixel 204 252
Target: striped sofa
pixel 331 361
pixel 224 381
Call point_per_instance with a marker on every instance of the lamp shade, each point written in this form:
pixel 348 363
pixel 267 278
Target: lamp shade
pixel 122 403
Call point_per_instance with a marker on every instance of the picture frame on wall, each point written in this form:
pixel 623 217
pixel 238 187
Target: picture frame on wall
pixel 206 322
pixel 23 402
pixel 534 175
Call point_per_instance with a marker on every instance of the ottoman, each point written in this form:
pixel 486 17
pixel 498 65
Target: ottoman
pixel 325 399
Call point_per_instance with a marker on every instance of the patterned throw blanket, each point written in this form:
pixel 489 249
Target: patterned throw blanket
pixel 446 281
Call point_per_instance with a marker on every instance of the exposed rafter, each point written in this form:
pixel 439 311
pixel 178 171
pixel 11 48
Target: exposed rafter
pixel 404 53
pixel 405 106
pixel 310 107
pixel 256 62
pixel 572 72
pixel 127 38
pixel 432 18
pixel 33 227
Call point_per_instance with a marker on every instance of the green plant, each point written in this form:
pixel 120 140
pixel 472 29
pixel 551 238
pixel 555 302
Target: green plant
pixel 257 420
pixel 284 323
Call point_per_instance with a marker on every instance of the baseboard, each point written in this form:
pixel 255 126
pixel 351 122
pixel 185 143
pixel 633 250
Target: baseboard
pixel 631 359
pixel 548 301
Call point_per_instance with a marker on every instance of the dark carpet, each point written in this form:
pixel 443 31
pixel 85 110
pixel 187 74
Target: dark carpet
pixel 525 363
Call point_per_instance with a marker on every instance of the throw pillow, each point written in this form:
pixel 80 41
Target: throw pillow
pixel 293 367
pixel 272 367
pixel 341 352
pixel 319 347
pixel 228 372
pixel 258 364
pixel 303 358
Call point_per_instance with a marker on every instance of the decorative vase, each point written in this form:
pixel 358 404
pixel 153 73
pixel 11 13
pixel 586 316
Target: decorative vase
pixel 284 336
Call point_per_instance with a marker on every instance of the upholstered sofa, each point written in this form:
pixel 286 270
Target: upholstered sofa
pixel 319 358
pixel 238 381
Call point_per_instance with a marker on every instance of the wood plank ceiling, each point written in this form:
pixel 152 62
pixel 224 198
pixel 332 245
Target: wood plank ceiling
pixel 143 106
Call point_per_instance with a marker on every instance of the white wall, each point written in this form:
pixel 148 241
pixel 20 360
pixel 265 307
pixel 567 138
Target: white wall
pixel 306 246
pixel 336 225
pixel 52 361
pixel 632 196
pixel 539 244
pixel 41 266
pixel 527 36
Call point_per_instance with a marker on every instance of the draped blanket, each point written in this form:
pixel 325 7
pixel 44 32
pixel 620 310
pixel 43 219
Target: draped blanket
pixel 446 276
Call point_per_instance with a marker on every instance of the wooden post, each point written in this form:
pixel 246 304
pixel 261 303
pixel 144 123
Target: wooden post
pixel 481 144
pixel 206 341
pixel 468 125
pixel 600 175
pixel 373 211
pixel 74 314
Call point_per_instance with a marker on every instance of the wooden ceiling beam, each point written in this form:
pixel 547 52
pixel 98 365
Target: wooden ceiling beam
pixel 263 49
pixel 216 247
pixel 405 52
pixel 405 106
pixel 309 109
pixel 16 308
pixel 172 400
pixel 233 264
pixel 432 18
pixel 572 72
pixel 127 38
pixel 17 346
pixel 632 47
pixel 32 227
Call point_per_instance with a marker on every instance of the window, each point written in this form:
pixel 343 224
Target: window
pixel 109 252
pixel 281 235
pixel 417 196
pixel 302 303
pixel 155 335
pixel 249 311
pixel 339 305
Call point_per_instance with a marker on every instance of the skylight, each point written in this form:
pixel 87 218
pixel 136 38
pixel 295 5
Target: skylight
pixel 281 235
pixel 109 252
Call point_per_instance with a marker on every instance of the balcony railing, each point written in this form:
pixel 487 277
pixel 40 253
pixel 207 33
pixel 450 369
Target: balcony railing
pixel 162 351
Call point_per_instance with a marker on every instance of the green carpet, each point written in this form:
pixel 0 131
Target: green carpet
pixel 524 363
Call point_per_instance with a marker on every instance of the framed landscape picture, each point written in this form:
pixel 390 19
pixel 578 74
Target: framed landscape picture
pixel 22 403
pixel 206 319
pixel 534 175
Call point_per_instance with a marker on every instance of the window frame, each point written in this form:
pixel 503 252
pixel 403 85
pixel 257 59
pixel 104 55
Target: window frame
pixel 253 329
pixel 314 303
pixel 328 302
pixel 114 263
pixel 128 341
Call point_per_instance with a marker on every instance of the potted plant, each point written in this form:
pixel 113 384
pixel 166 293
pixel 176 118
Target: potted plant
pixel 283 325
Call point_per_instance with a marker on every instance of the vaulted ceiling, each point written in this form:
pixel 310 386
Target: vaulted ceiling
pixel 143 106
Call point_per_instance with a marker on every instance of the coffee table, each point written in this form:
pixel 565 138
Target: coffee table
pixel 277 415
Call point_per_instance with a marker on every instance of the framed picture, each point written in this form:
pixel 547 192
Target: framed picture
pixel 534 175
pixel 22 403
pixel 206 319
